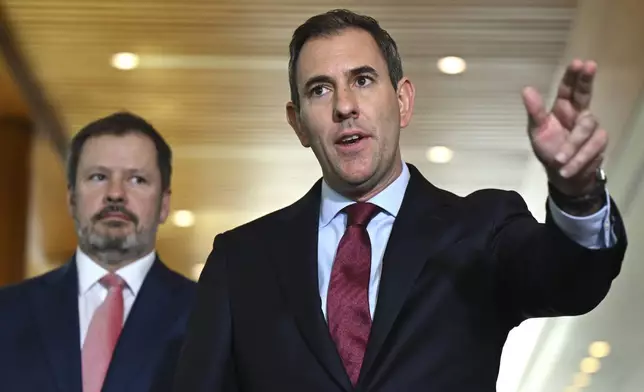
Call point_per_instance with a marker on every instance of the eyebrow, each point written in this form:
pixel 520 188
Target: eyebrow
pixel 97 168
pixel 107 169
pixel 365 69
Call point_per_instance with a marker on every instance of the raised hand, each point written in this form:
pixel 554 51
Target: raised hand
pixel 567 139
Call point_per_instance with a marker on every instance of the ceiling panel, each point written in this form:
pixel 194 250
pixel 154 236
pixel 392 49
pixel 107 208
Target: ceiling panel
pixel 213 80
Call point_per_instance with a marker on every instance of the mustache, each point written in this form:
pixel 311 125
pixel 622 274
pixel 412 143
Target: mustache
pixel 353 123
pixel 118 209
pixel 349 123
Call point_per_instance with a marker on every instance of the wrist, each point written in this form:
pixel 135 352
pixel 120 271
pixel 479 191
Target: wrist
pixel 584 202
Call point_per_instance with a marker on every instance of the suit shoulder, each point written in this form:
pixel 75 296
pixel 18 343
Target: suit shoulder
pixel 173 279
pixel 11 294
pixel 258 226
pixel 264 226
pixel 489 201
pixel 182 281
pixel 495 197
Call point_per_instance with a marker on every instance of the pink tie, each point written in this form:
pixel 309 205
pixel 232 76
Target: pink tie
pixel 102 334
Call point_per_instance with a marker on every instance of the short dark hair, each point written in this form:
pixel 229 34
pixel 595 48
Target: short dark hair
pixel 120 124
pixel 334 22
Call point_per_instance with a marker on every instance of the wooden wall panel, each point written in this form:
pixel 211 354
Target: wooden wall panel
pixel 15 146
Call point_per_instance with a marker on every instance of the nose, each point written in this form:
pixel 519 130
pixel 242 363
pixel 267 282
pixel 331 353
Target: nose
pixel 345 105
pixel 115 192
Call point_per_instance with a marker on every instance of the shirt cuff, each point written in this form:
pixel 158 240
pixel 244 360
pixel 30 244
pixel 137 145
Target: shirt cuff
pixel 593 232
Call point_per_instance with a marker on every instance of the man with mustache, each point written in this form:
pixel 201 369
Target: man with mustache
pixel 113 318
pixel 376 280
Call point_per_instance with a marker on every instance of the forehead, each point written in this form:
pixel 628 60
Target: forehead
pixel 339 53
pixel 131 150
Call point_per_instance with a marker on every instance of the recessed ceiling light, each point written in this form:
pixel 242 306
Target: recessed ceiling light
pixel 581 380
pixel 439 154
pixel 589 365
pixel 452 65
pixel 183 218
pixel 125 61
pixel 599 349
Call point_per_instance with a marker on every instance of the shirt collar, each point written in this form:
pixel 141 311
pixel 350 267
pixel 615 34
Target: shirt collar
pixel 89 273
pixel 389 200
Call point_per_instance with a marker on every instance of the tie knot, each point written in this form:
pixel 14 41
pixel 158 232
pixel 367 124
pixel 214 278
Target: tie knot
pixel 112 281
pixel 360 213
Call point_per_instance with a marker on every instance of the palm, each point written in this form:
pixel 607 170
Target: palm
pixel 548 139
pixel 565 138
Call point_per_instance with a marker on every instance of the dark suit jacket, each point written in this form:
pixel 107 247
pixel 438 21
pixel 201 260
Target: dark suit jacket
pixel 458 274
pixel 40 339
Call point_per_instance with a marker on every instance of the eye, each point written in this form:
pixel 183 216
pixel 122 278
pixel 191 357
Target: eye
pixel 363 81
pixel 318 91
pixel 97 177
pixel 138 180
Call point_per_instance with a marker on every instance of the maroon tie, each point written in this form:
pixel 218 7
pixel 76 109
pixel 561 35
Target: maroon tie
pixel 348 297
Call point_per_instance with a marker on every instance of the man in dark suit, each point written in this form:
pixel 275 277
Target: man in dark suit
pixel 113 317
pixel 376 280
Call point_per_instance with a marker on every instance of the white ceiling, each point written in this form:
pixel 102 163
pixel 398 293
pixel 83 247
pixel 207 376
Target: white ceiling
pixel 213 79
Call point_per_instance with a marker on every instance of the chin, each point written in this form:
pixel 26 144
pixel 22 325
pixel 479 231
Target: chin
pixel 114 231
pixel 356 176
pixel 352 171
pixel 356 180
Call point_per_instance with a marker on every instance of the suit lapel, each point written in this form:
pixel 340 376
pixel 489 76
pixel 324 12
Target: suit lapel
pixel 56 311
pixel 295 253
pixel 423 227
pixel 145 328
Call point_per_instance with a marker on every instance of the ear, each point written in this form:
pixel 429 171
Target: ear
pixel 293 118
pixel 71 200
pixel 406 95
pixel 164 208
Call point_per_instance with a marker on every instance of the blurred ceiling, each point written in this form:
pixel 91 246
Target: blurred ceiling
pixel 212 78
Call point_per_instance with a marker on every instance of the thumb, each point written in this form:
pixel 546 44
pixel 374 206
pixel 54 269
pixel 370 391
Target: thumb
pixel 533 103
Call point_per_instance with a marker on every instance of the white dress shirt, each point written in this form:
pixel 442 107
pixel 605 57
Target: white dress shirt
pixel 592 231
pixel 91 293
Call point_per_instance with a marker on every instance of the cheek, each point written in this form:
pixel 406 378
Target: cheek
pixel 85 207
pixel 389 120
pixel 146 208
pixel 315 126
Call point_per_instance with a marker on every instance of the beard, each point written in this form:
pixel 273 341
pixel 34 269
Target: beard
pixel 112 242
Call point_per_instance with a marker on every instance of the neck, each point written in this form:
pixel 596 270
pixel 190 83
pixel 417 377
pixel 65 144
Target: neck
pixel 369 192
pixel 113 260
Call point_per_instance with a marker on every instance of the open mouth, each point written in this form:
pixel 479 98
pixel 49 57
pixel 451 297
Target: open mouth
pixel 350 139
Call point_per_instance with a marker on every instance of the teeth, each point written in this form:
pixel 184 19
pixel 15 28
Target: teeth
pixel 350 138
